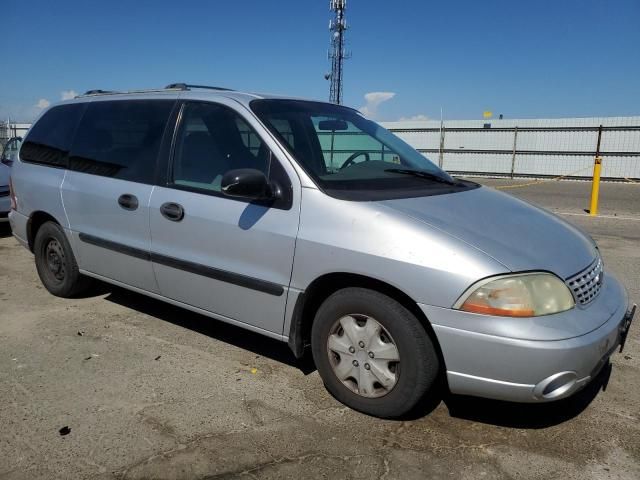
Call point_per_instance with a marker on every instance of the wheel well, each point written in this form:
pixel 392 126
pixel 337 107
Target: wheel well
pixel 35 222
pixel 320 289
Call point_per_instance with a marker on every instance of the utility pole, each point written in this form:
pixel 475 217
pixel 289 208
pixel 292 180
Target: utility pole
pixel 337 53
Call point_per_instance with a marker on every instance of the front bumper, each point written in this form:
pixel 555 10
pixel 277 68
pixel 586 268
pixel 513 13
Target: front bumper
pixel 525 370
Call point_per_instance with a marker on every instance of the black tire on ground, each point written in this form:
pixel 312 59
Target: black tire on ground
pixel 419 366
pixel 56 264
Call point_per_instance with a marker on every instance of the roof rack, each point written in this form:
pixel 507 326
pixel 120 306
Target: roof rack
pixel 171 86
pixel 89 93
pixel 187 86
pixel 97 92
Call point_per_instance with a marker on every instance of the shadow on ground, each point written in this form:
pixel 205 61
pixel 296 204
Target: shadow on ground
pixel 239 337
pixel 494 412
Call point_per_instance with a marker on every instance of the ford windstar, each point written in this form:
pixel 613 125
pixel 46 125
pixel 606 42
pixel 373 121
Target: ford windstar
pixel 308 223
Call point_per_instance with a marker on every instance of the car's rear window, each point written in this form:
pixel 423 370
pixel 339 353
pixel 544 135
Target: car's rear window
pixel 49 140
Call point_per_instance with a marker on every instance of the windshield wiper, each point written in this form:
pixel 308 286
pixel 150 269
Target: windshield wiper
pixel 422 174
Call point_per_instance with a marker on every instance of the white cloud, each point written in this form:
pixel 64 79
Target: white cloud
pixel 68 94
pixel 22 112
pixel 374 99
pixel 413 118
pixel 42 103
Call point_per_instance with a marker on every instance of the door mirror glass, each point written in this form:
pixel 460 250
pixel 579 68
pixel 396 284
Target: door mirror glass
pixel 246 183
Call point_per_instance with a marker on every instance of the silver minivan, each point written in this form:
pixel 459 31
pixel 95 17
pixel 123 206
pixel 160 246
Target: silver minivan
pixel 308 223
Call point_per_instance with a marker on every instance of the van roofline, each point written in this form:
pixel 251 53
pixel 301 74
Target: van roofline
pixel 188 91
pixel 193 90
pixel 171 86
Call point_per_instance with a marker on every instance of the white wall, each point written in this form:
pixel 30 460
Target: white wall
pixel 457 142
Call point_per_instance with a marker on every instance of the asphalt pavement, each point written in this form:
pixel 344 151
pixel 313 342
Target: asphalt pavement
pixel 119 386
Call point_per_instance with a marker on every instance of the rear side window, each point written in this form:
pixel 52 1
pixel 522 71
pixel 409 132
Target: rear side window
pixel 120 139
pixel 49 140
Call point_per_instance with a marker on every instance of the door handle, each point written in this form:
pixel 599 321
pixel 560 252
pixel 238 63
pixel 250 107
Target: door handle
pixel 172 211
pixel 128 201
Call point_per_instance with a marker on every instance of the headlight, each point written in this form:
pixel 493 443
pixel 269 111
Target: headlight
pixel 519 295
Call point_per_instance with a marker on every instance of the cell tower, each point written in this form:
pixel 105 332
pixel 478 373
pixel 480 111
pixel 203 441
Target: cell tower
pixel 337 53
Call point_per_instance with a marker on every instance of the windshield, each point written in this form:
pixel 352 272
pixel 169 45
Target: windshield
pixel 349 156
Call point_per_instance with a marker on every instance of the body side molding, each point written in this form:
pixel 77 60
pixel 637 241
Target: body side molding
pixel 191 267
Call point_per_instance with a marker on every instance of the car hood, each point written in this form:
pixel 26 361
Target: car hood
pixel 513 232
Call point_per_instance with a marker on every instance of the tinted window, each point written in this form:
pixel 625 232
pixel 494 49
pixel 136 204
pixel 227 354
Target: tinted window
pixel 49 140
pixel 212 140
pixel 120 139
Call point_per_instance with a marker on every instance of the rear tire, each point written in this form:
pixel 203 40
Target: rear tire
pixel 56 264
pixel 373 354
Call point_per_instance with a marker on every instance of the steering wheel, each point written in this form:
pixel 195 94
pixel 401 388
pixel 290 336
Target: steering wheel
pixel 349 161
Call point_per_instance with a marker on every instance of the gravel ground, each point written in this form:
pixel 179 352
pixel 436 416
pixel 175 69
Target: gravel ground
pixel 152 391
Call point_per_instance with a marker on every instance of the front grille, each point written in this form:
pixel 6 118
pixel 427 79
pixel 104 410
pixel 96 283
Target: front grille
pixel 4 192
pixel 586 284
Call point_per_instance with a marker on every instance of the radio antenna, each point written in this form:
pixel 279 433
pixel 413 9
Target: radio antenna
pixel 337 53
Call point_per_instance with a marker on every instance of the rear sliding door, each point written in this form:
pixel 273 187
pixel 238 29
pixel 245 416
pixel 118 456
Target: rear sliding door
pixel 106 192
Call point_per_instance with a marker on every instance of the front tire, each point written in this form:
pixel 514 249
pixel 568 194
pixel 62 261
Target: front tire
pixel 56 264
pixel 373 354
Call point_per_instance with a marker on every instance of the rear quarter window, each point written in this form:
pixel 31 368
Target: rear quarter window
pixel 49 140
pixel 121 139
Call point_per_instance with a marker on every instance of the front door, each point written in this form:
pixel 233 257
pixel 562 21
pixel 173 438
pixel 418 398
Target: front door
pixel 227 256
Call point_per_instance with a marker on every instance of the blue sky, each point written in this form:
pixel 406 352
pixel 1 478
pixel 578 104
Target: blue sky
pixel 519 58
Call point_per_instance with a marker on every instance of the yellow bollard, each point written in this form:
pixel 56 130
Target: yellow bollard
pixel 595 186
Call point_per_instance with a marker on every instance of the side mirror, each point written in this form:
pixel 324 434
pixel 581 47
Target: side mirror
pixel 248 183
